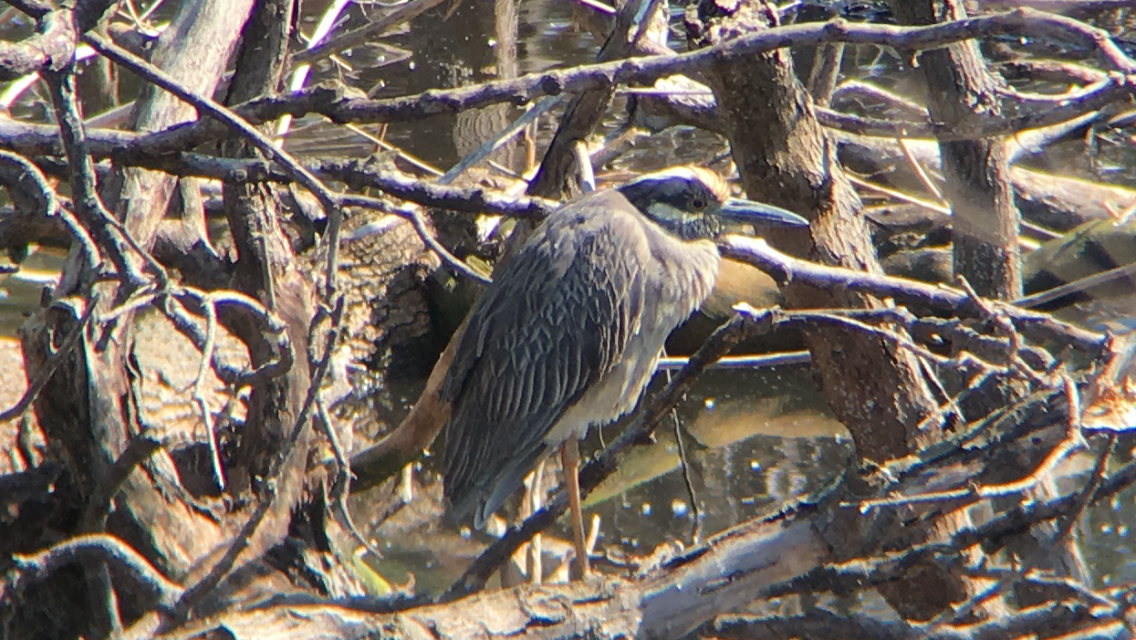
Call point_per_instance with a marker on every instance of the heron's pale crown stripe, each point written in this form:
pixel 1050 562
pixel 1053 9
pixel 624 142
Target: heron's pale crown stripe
pixel 706 176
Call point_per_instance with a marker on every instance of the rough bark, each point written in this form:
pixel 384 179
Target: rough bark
pixel 268 271
pixel 976 175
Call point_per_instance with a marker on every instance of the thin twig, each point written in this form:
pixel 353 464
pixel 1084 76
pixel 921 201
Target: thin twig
pixel 203 368
pixel 44 374
pixel 231 120
pixel 414 216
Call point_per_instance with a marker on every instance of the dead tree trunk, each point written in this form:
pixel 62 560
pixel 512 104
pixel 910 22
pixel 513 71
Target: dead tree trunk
pixel 786 158
pixel 268 272
pixel 976 177
pixel 961 93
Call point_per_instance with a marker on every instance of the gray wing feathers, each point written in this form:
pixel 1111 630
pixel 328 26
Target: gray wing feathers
pixel 557 319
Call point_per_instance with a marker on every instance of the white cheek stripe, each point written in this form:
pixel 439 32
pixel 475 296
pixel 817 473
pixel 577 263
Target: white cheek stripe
pixel 664 211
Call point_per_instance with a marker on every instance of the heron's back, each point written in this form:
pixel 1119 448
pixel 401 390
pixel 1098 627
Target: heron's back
pixel 677 279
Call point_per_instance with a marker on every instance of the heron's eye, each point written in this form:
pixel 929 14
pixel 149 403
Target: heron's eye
pixel 698 203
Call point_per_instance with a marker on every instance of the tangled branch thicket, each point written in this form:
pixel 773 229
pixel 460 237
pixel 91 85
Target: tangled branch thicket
pixel 986 426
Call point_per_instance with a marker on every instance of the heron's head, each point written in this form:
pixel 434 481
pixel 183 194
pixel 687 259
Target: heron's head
pixel 694 203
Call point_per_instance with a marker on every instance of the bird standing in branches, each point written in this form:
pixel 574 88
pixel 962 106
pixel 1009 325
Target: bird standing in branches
pixel 569 333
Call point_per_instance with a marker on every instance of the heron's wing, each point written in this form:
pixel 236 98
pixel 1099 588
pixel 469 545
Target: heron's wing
pixel 557 318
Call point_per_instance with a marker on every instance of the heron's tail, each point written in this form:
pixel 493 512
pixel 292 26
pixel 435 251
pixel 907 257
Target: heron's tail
pixel 485 496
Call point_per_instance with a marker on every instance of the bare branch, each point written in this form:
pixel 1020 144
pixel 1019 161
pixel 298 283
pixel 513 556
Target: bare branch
pixel 784 268
pixel 102 548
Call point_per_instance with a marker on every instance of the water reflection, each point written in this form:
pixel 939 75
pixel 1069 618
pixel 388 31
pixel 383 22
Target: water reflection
pixel 753 439
pixel 1105 532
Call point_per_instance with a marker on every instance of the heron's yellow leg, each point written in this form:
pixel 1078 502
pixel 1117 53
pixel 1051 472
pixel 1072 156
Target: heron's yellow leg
pixel 570 459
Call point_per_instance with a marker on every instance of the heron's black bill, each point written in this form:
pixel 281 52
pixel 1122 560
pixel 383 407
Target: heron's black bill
pixel 748 211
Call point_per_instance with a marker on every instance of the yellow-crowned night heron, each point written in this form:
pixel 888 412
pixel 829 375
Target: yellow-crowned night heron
pixel 569 333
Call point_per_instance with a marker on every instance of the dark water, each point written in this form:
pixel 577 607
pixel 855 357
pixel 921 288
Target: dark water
pixel 753 440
